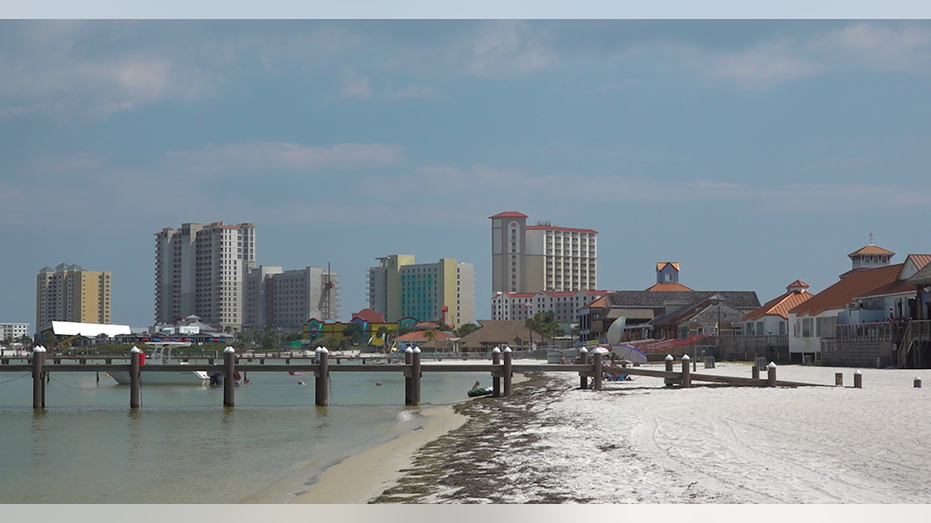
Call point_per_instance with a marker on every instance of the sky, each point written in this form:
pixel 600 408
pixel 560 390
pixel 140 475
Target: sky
pixel 754 153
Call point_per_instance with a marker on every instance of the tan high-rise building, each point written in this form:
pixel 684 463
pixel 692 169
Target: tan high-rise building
pixel 69 293
pixel 543 257
pixel 200 270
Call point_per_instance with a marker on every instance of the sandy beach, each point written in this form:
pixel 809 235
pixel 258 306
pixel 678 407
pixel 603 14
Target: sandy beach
pixel 639 442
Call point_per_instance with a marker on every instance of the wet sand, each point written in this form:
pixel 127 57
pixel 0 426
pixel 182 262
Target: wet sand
pixel 360 478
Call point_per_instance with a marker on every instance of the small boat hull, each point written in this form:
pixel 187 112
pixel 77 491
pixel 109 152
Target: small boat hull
pixel 192 377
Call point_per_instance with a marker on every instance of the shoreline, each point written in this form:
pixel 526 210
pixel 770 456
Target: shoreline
pixel 362 477
pixel 366 476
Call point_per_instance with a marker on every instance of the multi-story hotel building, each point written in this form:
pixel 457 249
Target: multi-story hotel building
pixel 445 290
pixel 13 331
pixel 288 299
pixel 69 293
pixel 199 270
pixel 543 257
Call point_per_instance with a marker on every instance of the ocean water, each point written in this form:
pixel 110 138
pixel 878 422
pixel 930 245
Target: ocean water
pixel 183 446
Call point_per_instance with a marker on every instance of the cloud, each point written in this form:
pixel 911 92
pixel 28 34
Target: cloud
pixel 869 47
pixel 355 86
pixel 260 158
pixel 96 69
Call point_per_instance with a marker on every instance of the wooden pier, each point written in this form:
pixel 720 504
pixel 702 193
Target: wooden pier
pixel 591 370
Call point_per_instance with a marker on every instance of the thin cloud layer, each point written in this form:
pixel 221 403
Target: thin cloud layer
pixel 102 68
pixel 258 159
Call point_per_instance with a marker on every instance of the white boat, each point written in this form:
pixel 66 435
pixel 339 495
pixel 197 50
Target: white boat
pixel 162 356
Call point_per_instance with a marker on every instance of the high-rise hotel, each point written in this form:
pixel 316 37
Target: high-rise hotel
pixel 69 293
pixel 543 257
pixel 199 269
pixel 444 290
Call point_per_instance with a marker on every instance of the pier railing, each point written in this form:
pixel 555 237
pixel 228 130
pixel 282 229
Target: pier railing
pixel 591 369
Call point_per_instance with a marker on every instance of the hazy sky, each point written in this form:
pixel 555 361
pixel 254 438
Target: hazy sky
pixel 751 152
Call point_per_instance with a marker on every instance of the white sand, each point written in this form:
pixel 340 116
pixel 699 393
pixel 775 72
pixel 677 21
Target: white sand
pixel 639 442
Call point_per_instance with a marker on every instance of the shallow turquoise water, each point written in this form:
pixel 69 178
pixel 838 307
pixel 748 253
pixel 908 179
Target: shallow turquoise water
pixel 182 446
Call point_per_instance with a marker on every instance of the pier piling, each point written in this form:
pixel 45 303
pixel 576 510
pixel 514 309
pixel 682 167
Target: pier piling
pixel 669 368
pixel 597 367
pixel 321 376
pixel 229 377
pixel 771 374
pixel 415 377
pixel 38 381
pixel 408 377
pixel 857 379
pixel 508 371
pixel 839 379
pixel 686 372
pixel 495 379
pixel 583 377
pixel 135 360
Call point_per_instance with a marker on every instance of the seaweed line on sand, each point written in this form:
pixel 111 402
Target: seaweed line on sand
pixel 467 465
pixel 520 450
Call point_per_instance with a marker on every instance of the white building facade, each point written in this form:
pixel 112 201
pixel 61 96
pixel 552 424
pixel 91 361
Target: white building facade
pixel 13 331
pixel 200 270
pixel 565 305
pixel 542 257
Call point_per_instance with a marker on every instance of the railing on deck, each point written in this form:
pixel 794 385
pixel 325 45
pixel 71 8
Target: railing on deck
pixel 916 332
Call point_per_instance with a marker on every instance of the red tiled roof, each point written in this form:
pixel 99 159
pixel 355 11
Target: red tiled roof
pixel 920 260
pixel 780 306
pixel 509 214
pixel 675 287
pixel 661 265
pixel 798 283
pixel 600 302
pixel 841 293
pixel 369 316
pixel 895 287
pixel 554 228
pixel 871 249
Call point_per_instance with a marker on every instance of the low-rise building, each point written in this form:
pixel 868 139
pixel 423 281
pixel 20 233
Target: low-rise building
pixel 659 311
pixel 863 318
pixel 565 305
pixel 13 331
